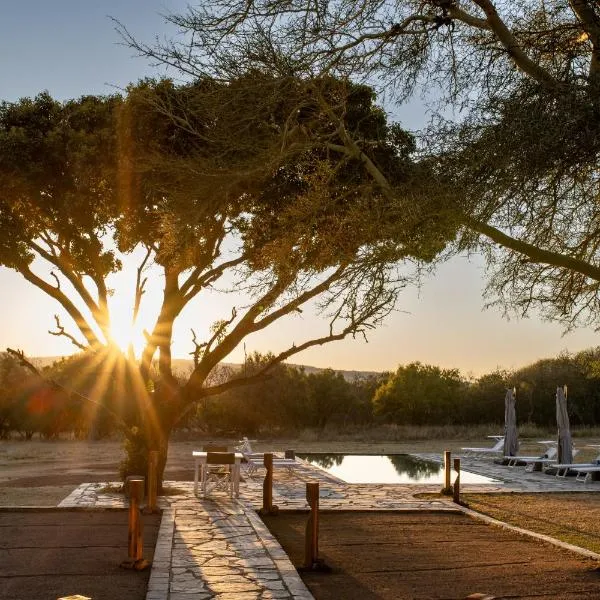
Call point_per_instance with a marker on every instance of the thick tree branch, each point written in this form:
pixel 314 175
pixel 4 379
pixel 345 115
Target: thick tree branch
pixel 300 300
pixel 61 260
pixel 456 13
pixel 200 278
pixel 243 327
pixel 535 253
pixel 65 302
pixel 513 48
pixel 590 21
pixel 262 374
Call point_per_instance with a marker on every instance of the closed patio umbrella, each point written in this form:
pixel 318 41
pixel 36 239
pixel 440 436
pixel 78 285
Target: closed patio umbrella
pixel 511 436
pixel 565 444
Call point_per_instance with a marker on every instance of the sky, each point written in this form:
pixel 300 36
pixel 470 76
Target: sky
pixel 71 48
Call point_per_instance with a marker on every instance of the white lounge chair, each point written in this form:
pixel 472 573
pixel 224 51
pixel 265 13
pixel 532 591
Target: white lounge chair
pixel 495 449
pixel 533 462
pixel 562 469
pixel 585 474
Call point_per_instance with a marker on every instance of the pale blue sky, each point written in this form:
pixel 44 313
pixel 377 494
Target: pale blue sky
pixel 70 48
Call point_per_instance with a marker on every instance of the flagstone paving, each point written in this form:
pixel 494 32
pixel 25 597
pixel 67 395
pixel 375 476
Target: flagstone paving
pixel 218 548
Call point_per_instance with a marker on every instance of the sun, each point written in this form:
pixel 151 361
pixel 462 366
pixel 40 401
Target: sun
pixel 124 334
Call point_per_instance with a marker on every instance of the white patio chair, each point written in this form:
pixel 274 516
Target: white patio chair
pixel 253 461
pixel 221 477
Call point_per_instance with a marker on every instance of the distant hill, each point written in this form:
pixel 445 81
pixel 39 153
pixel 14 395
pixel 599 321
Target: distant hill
pixel 185 365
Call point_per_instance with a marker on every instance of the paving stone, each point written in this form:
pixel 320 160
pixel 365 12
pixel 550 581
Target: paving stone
pixel 227 587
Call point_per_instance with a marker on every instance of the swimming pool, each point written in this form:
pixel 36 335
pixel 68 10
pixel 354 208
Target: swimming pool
pixel 387 468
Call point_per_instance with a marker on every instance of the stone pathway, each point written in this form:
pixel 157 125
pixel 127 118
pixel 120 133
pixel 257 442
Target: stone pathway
pixel 218 548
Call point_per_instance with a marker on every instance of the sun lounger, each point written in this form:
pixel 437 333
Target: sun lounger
pixel 495 449
pixel 534 463
pixel 585 474
pixel 562 469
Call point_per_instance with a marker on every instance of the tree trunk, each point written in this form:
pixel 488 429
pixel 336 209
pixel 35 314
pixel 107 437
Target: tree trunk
pixel 157 413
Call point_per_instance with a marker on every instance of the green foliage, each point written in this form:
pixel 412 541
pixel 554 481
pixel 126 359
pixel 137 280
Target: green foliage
pixel 420 394
pixel 427 395
pixel 57 174
pixel 537 383
pixel 288 400
pixel 136 453
pixel 483 399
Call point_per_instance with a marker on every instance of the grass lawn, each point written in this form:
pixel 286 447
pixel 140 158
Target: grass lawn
pixel 571 517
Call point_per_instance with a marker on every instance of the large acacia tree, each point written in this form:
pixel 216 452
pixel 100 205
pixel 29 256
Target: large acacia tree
pixel 519 162
pixel 195 176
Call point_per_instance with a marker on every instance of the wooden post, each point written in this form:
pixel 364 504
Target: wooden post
pixel 136 492
pixel 311 546
pixel 312 562
pixel 456 491
pixel 135 545
pixel 268 508
pixel 151 506
pixel 268 482
pixel 447 469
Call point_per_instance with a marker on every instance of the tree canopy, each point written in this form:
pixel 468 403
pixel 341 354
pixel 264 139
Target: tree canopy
pixel 517 163
pixel 195 176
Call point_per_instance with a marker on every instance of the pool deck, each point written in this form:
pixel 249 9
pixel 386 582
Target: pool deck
pixel 218 548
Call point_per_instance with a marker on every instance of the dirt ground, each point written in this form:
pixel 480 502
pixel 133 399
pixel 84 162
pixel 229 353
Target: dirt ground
pixel 54 553
pixel 572 518
pixel 428 556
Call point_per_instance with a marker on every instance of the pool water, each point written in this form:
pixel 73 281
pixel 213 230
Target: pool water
pixel 390 468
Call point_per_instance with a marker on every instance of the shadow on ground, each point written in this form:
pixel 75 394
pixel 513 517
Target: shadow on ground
pixel 46 554
pixel 429 556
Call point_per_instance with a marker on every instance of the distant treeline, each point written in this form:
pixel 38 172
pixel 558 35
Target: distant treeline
pixel 289 399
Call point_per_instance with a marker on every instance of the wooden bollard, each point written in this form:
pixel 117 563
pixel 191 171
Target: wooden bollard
pixel 152 492
pixel 312 562
pixel 311 548
pixel 447 489
pixel 268 508
pixel 135 545
pixel 456 489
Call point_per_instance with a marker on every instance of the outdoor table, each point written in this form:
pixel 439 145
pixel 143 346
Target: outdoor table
pixel 200 466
